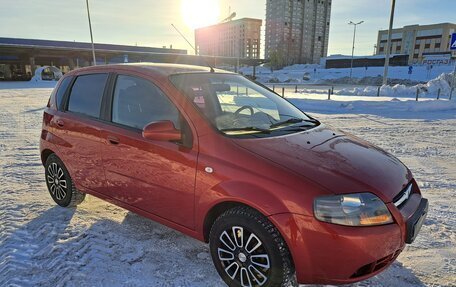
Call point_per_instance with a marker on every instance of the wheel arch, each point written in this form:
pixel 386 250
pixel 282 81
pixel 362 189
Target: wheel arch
pixel 45 154
pixel 215 212
pixel 229 194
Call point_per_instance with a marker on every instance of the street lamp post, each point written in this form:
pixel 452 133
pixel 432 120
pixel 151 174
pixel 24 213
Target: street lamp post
pixel 388 43
pixel 91 35
pixel 353 47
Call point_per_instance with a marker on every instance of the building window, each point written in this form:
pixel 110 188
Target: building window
pixel 427 46
pixel 437 45
pixel 415 56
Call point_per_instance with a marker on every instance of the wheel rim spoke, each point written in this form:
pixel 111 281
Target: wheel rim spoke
pixel 255 238
pixel 238 234
pixel 60 173
pixel 63 183
pixel 52 188
pixel 245 278
pixel 264 257
pixel 63 192
pixel 221 256
pixel 223 238
pixel 227 269
pixel 60 193
pixel 57 193
pixel 257 275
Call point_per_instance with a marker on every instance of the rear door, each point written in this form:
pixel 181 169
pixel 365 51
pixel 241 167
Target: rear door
pixel 78 126
pixel 155 176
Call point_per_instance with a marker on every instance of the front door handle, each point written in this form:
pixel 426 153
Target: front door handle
pixel 113 140
pixel 60 123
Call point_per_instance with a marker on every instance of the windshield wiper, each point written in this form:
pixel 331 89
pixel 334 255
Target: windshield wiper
pixel 248 129
pixel 293 121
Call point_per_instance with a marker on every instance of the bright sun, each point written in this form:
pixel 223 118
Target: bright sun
pixel 200 13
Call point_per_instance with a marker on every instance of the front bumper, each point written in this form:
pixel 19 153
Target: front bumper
pixel 414 223
pixel 326 253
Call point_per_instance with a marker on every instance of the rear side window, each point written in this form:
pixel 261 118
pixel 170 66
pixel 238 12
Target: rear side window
pixel 137 102
pixel 87 93
pixel 61 91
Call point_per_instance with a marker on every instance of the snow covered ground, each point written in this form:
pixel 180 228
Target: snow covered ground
pixel 99 244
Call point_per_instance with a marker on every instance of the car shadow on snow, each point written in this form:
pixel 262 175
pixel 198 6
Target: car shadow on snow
pixel 27 254
pixel 74 247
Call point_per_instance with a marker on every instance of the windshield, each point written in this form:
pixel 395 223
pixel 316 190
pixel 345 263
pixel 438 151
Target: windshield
pixel 237 106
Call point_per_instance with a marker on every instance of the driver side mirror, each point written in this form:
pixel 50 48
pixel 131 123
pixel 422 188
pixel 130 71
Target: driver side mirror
pixel 161 131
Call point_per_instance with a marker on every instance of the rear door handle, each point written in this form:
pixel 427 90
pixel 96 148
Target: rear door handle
pixel 113 140
pixel 60 123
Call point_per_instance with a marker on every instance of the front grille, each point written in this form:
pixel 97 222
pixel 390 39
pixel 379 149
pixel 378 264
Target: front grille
pixel 400 199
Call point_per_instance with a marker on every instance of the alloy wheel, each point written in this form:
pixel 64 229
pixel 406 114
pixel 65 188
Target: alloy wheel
pixel 57 181
pixel 243 257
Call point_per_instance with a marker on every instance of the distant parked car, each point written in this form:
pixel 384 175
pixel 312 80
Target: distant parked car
pixel 20 76
pixel 280 197
pixel 47 75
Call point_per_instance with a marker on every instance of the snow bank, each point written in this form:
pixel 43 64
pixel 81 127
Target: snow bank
pixel 395 108
pixel 313 73
pixel 429 89
pixel 301 67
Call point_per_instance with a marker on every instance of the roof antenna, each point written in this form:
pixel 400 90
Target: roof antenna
pixel 196 53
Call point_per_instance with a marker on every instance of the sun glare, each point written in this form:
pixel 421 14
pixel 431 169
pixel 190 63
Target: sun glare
pixel 200 13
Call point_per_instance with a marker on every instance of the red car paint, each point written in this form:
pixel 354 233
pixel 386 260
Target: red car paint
pixel 278 176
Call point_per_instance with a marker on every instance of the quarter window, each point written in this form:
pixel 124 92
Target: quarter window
pixel 87 93
pixel 137 102
pixel 61 91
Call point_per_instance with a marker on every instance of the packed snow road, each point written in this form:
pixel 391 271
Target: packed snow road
pixel 99 244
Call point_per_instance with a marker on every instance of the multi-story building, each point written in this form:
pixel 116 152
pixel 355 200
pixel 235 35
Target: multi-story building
pixel 236 38
pixel 297 31
pixel 418 41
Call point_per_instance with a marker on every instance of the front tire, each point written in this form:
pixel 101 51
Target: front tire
pixel 59 183
pixel 248 250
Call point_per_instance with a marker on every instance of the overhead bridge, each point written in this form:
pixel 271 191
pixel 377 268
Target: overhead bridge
pixel 20 57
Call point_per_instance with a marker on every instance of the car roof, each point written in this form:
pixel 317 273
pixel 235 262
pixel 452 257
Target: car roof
pixel 163 69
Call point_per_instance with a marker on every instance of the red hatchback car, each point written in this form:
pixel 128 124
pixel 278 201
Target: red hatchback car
pixel 280 197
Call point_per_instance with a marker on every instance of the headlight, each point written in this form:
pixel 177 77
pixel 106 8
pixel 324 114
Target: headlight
pixel 358 209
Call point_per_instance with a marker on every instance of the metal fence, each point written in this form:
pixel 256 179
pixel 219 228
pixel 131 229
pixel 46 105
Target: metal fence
pixel 284 89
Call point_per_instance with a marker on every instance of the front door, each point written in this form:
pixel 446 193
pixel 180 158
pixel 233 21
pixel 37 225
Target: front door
pixel 155 176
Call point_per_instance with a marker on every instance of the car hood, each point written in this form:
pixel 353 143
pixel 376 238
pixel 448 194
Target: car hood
pixel 337 161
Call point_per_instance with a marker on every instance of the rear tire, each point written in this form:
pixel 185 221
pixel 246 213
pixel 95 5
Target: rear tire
pixel 59 183
pixel 248 250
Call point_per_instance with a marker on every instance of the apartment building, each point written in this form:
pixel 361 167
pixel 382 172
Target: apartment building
pixel 236 38
pixel 418 41
pixel 297 31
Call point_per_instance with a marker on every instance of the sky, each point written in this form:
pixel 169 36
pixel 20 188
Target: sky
pixel 148 22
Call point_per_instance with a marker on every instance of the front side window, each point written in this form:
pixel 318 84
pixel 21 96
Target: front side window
pixel 137 102
pixel 237 106
pixel 87 93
